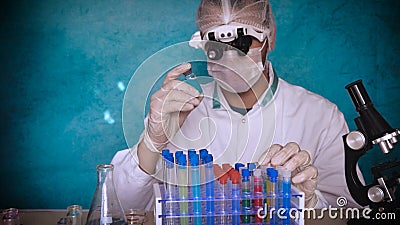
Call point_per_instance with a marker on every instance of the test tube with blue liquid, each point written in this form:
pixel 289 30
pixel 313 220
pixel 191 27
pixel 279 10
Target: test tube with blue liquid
pixel 286 192
pixel 202 154
pixel 195 171
pixel 209 189
pixel 279 193
pixel 273 195
pixel 164 154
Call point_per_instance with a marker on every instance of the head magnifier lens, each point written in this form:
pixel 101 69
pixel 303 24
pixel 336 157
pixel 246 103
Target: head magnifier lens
pixel 215 49
pixel 242 44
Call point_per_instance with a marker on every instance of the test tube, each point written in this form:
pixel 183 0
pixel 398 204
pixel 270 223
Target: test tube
pixel 189 75
pixel 258 193
pixel 265 176
pixel 246 197
pixel 286 192
pixel 251 167
pixel 209 189
pixel 191 79
pixel 177 156
pixel 183 189
pixel 190 155
pixel 279 182
pixel 273 180
pixel 227 168
pixel 238 166
pixel 223 180
pixel 195 171
pixel 169 190
pixel 280 170
pixel 203 153
pixel 170 181
pixel 235 178
pixel 218 172
pixel 267 189
pixel 191 152
pixel 164 153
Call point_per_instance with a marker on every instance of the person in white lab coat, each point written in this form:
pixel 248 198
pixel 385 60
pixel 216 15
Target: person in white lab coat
pixel 247 114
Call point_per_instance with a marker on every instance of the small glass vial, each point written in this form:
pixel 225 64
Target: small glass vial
pixel 191 79
pixel 10 216
pixel 134 216
pixel 189 75
pixel 74 215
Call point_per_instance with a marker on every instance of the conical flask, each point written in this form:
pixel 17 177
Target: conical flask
pixel 106 208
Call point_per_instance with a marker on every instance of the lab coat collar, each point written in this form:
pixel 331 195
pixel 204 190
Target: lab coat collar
pixel 265 98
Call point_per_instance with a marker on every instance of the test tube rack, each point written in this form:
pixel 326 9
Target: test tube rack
pixel 224 216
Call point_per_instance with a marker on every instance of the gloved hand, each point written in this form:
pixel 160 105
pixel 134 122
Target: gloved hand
pixel 169 107
pixel 304 175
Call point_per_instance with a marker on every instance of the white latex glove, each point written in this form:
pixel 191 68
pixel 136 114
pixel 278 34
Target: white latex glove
pixel 169 107
pixel 304 175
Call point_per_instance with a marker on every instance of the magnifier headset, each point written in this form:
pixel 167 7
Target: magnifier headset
pixel 226 37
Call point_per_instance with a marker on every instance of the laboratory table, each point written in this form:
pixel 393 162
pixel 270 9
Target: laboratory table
pixel 51 217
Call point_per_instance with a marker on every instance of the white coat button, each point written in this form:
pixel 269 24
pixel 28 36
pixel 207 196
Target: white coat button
pixel 243 120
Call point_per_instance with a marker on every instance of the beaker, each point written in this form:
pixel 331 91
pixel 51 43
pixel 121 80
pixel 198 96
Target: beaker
pixel 135 216
pixel 74 215
pixel 10 216
pixel 106 208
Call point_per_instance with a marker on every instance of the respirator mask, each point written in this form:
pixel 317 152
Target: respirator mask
pixel 231 62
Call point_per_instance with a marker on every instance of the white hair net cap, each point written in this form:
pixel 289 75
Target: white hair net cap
pixel 254 13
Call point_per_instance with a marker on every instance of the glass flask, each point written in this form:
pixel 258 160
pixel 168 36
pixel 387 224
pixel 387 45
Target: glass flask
pixel 106 208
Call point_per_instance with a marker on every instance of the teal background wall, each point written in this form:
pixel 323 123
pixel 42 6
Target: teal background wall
pixel 64 64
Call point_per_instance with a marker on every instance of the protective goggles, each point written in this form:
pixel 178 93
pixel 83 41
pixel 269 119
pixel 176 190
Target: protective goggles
pixel 226 37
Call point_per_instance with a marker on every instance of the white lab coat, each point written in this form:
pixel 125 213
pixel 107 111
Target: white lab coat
pixel 285 113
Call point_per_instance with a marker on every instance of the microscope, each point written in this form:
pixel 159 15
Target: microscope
pixel 372 130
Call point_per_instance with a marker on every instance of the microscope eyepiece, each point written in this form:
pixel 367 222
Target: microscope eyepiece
pixel 359 95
